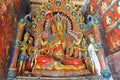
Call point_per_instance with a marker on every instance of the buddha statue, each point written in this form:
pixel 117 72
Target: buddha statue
pixel 59 43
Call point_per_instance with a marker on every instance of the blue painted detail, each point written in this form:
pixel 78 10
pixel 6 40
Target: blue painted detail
pixel 96 21
pixel 106 74
pixel 73 13
pixel 13 54
pixel 68 7
pixel 12 74
pixel 22 21
pixel 58 3
pixel 77 19
pixel 22 57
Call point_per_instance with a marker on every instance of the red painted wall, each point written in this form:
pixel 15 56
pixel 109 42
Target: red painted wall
pixel 10 13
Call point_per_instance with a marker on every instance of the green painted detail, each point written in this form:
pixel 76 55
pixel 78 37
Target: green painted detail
pixel 22 21
pixel 48 6
pixel 68 7
pixel 73 13
pixel 119 27
pixel 39 19
pixel 58 3
pixel 42 13
pixel 77 19
pixel 96 21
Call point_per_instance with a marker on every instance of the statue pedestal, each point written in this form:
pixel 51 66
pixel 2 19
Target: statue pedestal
pixel 58 73
pixel 61 78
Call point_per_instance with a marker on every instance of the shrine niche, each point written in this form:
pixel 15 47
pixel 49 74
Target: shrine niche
pixel 55 41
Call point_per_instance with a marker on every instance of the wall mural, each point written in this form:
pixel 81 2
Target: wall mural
pixel 111 26
pixel 8 24
pixel 57 42
pixel 109 10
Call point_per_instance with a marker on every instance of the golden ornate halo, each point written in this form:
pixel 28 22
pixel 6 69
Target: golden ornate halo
pixel 68 13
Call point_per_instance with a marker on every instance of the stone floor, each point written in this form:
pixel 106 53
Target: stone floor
pixel 61 78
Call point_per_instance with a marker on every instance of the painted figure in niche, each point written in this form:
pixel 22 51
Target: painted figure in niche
pixel 108 20
pixel 23 55
pixel 114 39
pixel 29 61
pixel 93 56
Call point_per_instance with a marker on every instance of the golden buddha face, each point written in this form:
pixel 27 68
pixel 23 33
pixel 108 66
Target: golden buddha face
pixel 26 36
pixel 59 26
pixel 30 40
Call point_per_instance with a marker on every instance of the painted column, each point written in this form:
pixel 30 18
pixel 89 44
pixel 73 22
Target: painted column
pixel 12 69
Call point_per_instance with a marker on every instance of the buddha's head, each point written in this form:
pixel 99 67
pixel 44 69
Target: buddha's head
pixel 59 26
pixel 30 40
pixel 26 36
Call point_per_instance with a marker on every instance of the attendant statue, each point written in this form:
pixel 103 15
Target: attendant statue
pixel 23 55
pixel 93 56
pixel 29 61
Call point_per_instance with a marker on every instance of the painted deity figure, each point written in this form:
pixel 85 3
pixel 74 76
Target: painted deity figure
pixel 23 55
pixel 93 56
pixel 59 43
